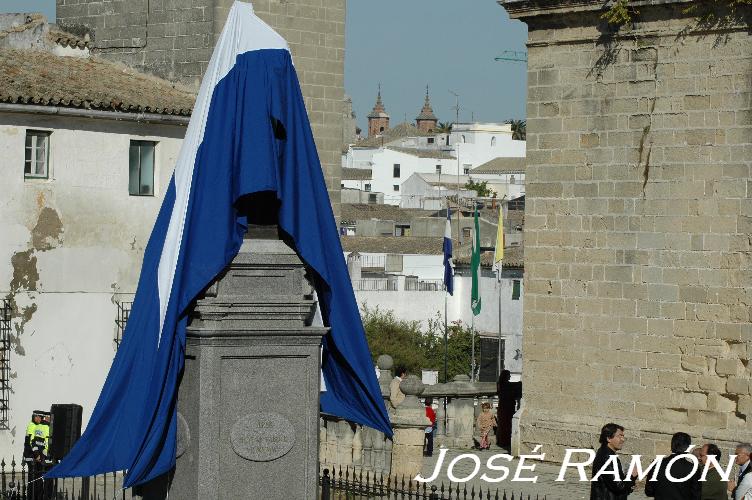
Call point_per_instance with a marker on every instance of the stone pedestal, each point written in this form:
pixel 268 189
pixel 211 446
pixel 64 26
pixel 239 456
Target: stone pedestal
pixel 409 421
pixel 248 408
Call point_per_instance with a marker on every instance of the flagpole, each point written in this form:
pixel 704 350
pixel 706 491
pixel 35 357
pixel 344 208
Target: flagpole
pixel 472 348
pixel 498 354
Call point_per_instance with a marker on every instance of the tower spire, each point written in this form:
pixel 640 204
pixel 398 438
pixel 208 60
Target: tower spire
pixel 378 119
pixel 426 120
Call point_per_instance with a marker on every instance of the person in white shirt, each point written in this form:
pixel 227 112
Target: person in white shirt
pixel 743 488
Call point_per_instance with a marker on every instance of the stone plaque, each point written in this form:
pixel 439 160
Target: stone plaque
pixel 262 437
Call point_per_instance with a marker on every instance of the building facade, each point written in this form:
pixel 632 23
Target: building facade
pixel 174 41
pixel 638 223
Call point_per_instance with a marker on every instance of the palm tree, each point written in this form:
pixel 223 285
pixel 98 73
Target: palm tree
pixel 519 129
pixel 443 128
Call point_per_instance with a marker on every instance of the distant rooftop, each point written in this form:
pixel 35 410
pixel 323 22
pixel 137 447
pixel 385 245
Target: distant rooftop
pixel 395 133
pixel 424 153
pixel 356 174
pixel 410 245
pixel 351 212
pixel 502 165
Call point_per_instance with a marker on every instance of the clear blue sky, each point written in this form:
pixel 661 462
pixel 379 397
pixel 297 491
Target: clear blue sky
pixel 406 44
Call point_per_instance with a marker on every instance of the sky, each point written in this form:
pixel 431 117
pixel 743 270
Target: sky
pixel 408 44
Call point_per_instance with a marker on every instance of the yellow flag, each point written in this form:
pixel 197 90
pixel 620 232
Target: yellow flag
pixel 499 253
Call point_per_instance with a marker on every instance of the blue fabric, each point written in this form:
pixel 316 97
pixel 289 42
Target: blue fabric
pixel 448 269
pixel 133 426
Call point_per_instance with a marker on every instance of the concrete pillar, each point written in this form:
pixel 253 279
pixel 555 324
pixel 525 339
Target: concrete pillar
pixel 354 266
pixel 248 409
pixel 463 412
pixel 409 422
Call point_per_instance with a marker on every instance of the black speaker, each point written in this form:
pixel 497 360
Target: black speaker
pixel 66 428
pixel 489 355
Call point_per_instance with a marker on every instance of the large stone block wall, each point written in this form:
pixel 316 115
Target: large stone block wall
pixel 638 244
pixel 174 39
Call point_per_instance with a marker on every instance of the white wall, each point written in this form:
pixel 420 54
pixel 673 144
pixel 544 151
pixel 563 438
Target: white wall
pixel 422 306
pixel 72 245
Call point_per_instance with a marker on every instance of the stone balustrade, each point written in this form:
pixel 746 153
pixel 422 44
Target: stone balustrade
pixel 347 444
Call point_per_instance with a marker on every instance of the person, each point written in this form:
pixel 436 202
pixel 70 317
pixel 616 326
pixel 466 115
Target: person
pixel 714 487
pixel 28 454
pixel 428 441
pixel 509 394
pixel 395 393
pixel 742 486
pixel 486 422
pixel 36 453
pixel 687 489
pixel 606 486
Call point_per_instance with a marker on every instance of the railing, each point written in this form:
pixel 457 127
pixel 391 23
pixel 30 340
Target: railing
pixel 424 285
pixel 354 484
pixel 372 261
pixel 25 482
pixel 375 285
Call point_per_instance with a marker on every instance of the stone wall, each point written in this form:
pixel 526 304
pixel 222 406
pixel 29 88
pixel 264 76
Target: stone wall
pixel 638 282
pixel 174 40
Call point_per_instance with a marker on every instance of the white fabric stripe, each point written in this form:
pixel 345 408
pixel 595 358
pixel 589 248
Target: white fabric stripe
pixel 243 32
pixel 448 230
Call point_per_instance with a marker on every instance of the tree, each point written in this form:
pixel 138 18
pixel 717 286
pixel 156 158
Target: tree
pixel 519 129
pixel 443 128
pixel 415 348
pixel 479 187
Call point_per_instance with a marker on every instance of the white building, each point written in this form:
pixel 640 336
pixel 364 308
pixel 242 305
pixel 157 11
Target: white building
pixel 405 150
pixel 410 284
pixel 85 166
pixel 505 176
pixel 430 191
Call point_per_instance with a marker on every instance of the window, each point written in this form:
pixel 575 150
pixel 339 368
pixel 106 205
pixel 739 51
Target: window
pixel 37 154
pixel 463 138
pixel 381 129
pixel 515 289
pixel 395 187
pixel 466 170
pixel 5 315
pixel 511 179
pixel 438 169
pixel 396 172
pixel 430 140
pixel 367 187
pixel 466 232
pixel 123 311
pixel 141 168
pixel 372 198
pixel 402 230
pixel 493 141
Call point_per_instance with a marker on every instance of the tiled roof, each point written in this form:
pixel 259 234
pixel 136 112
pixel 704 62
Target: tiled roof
pixel 356 174
pixel 502 165
pixel 423 153
pixel 66 39
pixel 448 179
pixel 513 257
pixel 351 212
pixel 42 78
pixel 397 132
pixel 393 244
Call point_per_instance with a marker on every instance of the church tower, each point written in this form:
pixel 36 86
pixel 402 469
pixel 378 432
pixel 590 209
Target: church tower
pixel 426 121
pixel 378 119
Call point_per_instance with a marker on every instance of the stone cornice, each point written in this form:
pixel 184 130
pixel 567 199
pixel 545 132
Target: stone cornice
pixel 527 9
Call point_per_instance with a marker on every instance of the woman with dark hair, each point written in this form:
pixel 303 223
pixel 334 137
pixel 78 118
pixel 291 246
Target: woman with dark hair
pixel 606 486
pixel 509 394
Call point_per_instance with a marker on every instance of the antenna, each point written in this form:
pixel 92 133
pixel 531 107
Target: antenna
pixel 512 55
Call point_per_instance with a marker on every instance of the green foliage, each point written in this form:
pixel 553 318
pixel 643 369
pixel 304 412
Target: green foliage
pixel 416 348
pixel 519 129
pixel 444 128
pixel 708 12
pixel 479 187
pixel 619 13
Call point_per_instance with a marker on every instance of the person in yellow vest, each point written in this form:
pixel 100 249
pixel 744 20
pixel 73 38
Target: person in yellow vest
pixel 30 436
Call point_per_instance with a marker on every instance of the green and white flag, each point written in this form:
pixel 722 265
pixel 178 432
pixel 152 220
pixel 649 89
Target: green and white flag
pixel 475 269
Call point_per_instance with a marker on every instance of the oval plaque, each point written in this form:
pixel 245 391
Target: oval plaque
pixel 262 437
pixel 184 436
